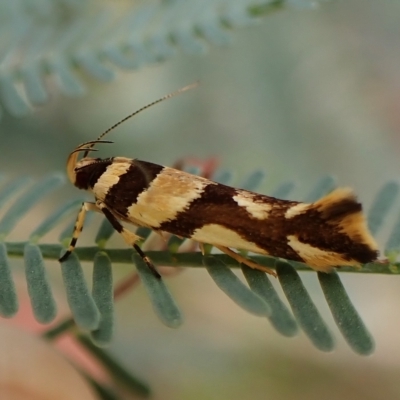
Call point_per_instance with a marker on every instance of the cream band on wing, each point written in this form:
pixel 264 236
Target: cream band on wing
pixel 256 209
pixel 221 236
pixel 170 193
pixel 296 210
pixel 321 260
pixel 110 177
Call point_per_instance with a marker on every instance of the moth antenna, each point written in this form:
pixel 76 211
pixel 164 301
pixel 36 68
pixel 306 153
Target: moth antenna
pixel 167 96
pixel 88 146
pixel 87 149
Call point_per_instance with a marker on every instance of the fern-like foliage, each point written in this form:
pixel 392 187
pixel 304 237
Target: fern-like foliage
pixel 47 43
pixel 93 311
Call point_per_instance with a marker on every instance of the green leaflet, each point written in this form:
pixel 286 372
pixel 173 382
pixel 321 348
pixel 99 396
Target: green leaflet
pixel 146 33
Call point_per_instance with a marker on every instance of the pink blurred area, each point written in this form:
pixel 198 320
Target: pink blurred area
pixel 65 344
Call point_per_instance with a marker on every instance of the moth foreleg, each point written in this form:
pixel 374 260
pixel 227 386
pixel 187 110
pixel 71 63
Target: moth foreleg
pixel 244 260
pixel 129 237
pixel 80 219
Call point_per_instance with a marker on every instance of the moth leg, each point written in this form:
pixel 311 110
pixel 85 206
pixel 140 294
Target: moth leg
pixel 244 260
pixel 80 219
pixel 129 237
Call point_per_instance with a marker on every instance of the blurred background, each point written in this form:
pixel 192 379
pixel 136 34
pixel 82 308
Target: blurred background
pixel 304 93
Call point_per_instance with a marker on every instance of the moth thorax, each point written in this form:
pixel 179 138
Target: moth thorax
pixel 88 170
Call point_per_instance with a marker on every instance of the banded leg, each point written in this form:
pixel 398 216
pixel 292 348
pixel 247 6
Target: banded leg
pixel 129 237
pixel 244 260
pixel 80 219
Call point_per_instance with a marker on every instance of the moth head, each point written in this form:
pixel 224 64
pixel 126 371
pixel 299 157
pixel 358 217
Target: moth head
pixel 81 172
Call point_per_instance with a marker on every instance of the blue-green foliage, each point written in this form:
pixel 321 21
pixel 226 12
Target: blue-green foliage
pixel 57 38
pixel 94 311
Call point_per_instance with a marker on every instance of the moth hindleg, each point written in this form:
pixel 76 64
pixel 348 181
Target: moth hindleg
pixel 80 219
pixel 244 260
pixel 129 237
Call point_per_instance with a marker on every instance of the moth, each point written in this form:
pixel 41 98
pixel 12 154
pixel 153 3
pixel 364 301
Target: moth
pixel 328 233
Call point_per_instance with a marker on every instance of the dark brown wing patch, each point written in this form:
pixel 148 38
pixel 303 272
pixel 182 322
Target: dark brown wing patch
pixel 136 180
pixel 319 226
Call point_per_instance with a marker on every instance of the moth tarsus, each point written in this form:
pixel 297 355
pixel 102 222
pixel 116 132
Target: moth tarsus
pixel 147 260
pixel 325 234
